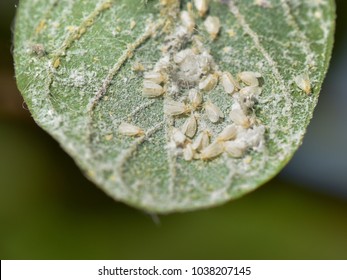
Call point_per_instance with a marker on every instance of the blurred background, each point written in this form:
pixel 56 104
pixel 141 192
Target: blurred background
pixel 48 210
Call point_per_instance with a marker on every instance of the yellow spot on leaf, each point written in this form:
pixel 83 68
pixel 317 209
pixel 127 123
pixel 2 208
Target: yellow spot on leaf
pixel 231 32
pixel 132 24
pixel 41 26
pixel 56 63
pixel 108 137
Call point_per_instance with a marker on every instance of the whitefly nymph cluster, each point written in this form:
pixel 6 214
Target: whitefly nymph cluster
pixel 186 77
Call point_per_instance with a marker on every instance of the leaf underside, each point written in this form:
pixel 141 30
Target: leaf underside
pixel 74 66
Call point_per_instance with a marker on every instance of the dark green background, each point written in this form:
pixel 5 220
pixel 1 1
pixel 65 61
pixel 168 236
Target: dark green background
pixel 48 210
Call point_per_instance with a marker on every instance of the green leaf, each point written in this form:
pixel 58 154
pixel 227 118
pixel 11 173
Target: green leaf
pixel 76 66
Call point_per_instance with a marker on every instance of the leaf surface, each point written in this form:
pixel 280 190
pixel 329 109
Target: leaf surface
pixel 75 62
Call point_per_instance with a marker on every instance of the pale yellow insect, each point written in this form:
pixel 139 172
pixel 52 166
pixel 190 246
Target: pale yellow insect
pixel 235 148
pixel 213 112
pixel 212 151
pixel 201 141
pixel 138 67
pixel 209 82
pixel 251 91
pixel 303 82
pixel 239 117
pixel 229 83
pixel 212 25
pixel 190 126
pixel 178 137
pixel 175 108
pixel 188 152
pixel 246 102
pixel 249 78
pixel 187 20
pixel 201 6
pixel 132 24
pixel 195 98
pixel 151 89
pixel 154 77
pixel 228 133
pixel 128 129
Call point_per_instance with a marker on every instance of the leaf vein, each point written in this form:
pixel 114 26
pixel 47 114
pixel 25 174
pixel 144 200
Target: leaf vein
pixel 81 29
pixel 124 57
pixel 303 39
pixel 287 111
